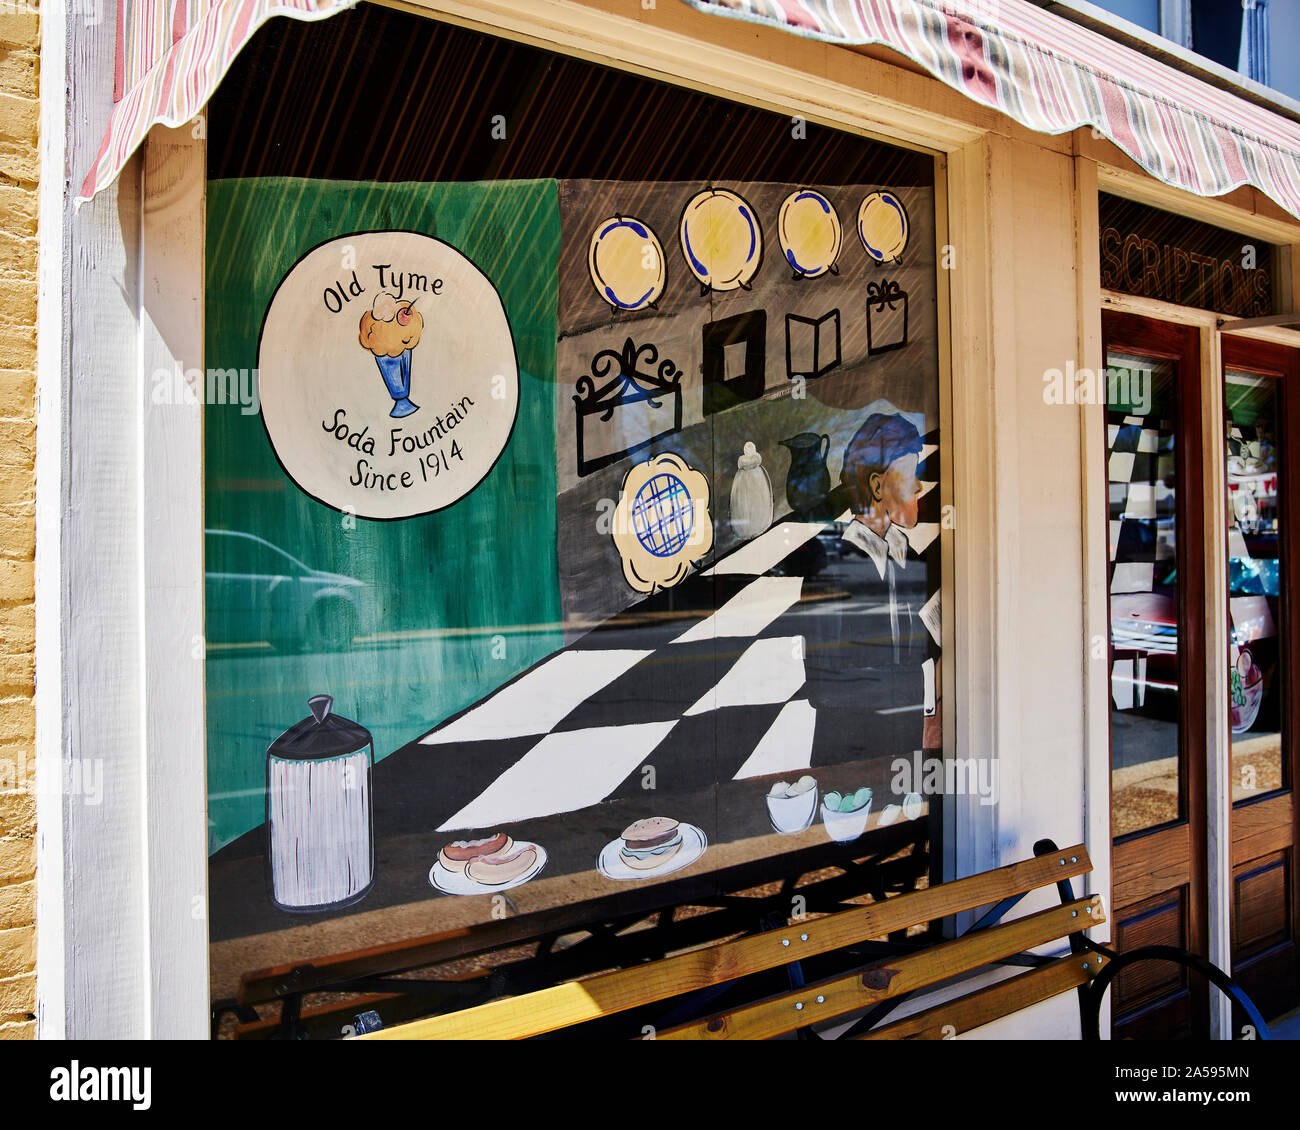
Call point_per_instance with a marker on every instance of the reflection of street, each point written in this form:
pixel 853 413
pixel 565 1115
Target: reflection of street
pixel 1256 765
pixel 396 688
pixel 1144 771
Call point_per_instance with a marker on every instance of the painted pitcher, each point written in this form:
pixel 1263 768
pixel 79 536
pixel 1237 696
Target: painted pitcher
pixel 808 481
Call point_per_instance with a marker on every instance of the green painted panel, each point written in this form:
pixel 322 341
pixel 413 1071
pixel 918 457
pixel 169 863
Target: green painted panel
pixel 409 631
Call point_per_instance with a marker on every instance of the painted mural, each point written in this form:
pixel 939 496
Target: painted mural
pixel 610 507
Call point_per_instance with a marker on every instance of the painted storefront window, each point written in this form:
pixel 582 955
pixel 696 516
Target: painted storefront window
pixel 584 529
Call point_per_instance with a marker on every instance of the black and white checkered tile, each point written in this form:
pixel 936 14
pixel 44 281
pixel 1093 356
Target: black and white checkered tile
pixel 574 730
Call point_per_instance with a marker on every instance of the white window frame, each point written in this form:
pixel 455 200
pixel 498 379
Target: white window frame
pixel 120 584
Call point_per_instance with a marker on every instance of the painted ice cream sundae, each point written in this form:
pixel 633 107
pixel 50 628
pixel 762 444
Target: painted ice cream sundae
pixel 390 329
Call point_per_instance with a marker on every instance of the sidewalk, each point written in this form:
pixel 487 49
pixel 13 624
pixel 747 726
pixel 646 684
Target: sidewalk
pixel 1286 1027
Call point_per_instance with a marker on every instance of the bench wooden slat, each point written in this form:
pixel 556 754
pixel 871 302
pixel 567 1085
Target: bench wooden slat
pixel 952 1018
pixel 577 1002
pixel 778 1015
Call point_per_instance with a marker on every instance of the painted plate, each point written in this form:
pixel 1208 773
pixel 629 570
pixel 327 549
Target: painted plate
pixel 883 226
pixel 722 239
pixel 458 883
pixel 626 261
pixel 810 233
pixel 612 866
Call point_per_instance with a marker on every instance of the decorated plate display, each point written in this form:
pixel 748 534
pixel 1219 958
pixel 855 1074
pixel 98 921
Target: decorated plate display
pixel 810 233
pixel 883 226
pixel 722 239
pixel 626 261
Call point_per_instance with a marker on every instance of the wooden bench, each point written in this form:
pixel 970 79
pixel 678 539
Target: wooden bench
pixel 631 1001
pixel 323 998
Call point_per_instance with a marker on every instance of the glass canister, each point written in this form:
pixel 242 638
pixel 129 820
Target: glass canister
pixel 751 495
pixel 320 840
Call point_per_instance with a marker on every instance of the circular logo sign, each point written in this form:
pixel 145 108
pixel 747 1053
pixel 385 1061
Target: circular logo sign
pixel 387 374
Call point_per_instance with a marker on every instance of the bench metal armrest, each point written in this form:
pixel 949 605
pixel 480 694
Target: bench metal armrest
pixel 1117 961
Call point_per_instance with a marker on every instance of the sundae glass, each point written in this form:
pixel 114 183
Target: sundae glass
pixel 389 331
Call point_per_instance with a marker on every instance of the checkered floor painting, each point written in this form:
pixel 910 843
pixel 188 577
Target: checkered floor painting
pixel 575 729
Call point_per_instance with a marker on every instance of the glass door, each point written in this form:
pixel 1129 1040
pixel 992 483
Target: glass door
pixel 1260 405
pixel 1157 649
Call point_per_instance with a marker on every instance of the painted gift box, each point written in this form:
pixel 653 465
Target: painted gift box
pixel 320 846
pixel 886 316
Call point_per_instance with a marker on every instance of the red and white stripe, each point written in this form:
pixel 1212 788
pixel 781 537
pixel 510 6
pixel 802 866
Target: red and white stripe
pixel 1054 76
pixel 1045 72
pixel 171 54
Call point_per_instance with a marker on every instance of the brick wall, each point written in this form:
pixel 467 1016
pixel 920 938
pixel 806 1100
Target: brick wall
pixel 19 117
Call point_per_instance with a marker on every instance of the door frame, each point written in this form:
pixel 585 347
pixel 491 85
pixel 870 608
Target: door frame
pixel 1186 838
pixel 1280 362
pixel 1213 328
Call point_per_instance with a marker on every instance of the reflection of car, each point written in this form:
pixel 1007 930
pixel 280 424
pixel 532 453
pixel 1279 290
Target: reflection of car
pixel 255 591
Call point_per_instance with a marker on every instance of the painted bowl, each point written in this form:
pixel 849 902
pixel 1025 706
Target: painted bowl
pixel 792 813
pixel 845 826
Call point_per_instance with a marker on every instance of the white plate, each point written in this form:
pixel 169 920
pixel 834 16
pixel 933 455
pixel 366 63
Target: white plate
pixel 458 883
pixel 883 226
pixel 612 866
pixel 810 233
pixel 626 262
pixel 722 240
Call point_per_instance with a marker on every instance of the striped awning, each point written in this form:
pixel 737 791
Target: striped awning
pixel 171 54
pixel 1047 73
pixel 1054 76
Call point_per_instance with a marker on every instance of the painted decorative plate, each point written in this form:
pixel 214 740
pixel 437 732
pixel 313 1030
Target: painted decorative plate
pixel 810 233
pixel 458 883
pixel 883 226
pixel 722 239
pixel 626 261
pixel 611 865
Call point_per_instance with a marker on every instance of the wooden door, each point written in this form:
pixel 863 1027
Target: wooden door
pixel 1157 669
pixel 1261 387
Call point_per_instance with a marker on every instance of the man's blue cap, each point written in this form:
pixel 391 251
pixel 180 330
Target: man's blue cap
pixel 881 439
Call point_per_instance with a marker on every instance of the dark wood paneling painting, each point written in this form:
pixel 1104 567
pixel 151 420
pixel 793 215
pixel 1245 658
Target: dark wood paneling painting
pixel 591 498
pixel 1156 254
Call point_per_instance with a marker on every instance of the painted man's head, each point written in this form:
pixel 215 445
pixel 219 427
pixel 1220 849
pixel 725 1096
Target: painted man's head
pixel 879 472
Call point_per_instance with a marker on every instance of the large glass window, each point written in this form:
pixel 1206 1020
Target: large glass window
pixel 1256 661
pixel 599 422
pixel 1146 777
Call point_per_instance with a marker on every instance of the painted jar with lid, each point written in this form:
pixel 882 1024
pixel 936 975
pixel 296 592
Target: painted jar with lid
pixel 320 840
